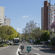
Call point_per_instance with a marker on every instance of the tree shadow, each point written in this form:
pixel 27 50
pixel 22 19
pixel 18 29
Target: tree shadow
pixel 47 50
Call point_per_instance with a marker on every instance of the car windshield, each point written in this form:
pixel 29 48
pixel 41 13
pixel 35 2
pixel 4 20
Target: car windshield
pixel 27 27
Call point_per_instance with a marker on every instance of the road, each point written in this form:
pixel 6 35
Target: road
pixel 40 50
pixel 11 50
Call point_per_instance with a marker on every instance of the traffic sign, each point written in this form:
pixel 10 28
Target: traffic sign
pixel 28 49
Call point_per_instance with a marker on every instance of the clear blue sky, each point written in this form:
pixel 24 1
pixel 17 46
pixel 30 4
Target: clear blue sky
pixel 22 11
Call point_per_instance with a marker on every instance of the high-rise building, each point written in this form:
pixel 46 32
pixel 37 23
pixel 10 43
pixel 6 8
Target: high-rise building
pixel 3 20
pixel 47 15
pixel 1 15
pixel 44 16
pixel 51 16
pixel 6 21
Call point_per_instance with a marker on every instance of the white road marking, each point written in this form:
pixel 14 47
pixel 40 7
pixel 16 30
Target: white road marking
pixel 18 50
pixel 36 54
pixel 35 48
pixel 29 45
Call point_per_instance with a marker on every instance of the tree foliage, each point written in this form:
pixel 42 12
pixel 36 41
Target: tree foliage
pixel 8 32
pixel 53 41
pixel 31 31
pixel 28 29
pixel 45 36
pixel 36 33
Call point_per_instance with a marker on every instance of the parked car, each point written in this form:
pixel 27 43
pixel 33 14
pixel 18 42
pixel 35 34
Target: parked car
pixel 9 42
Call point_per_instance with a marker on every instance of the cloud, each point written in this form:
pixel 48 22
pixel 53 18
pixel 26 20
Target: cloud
pixel 25 16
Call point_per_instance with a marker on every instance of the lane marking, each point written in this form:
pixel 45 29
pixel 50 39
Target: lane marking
pixel 35 48
pixel 36 54
pixel 29 45
pixel 18 50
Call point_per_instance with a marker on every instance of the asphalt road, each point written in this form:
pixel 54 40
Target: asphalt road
pixel 40 50
pixel 11 50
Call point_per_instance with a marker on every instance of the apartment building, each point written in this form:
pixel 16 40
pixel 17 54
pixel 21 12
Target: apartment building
pixel 47 16
pixel 1 15
pixel 3 20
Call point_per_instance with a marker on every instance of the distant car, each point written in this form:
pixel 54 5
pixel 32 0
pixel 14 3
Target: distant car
pixel 9 42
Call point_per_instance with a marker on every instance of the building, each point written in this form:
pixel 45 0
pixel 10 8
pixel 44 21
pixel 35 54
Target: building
pixel 51 16
pixel 1 15
pixel 6 21
pixel 47 15
pixel 3 20
pixel 44 16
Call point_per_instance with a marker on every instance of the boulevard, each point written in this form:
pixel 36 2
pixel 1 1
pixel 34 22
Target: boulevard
pixel 35 49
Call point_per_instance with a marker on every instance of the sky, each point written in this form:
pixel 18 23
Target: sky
pixel 22 11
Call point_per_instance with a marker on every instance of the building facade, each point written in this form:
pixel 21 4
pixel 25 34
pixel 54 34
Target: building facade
pixel 47 16
pixel 1 15
pixel 6 21
pixel 44 16
pixel 3 20
pixel 51 16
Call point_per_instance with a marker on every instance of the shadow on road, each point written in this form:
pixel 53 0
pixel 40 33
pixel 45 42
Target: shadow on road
pixel 47 49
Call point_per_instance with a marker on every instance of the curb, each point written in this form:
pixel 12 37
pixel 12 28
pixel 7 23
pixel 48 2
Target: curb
pixel 1 48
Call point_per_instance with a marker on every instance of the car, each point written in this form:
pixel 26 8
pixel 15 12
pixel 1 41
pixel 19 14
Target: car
pixel 9 42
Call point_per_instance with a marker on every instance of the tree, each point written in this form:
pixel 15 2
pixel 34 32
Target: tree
pixel 45 36
pixel 7 32
pixel 36 33
pixel 28 29
pixel 53 41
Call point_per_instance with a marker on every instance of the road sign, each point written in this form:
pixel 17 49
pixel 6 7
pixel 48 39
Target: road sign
pixel 28 49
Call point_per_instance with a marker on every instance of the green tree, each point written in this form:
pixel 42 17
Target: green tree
pixel 36 33
pixel 28 29
pixel 45 36
pixel 8 32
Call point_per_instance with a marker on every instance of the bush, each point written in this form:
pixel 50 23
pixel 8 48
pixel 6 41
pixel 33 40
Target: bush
pixel 1 45
pixel 53 41
pixel 45 36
